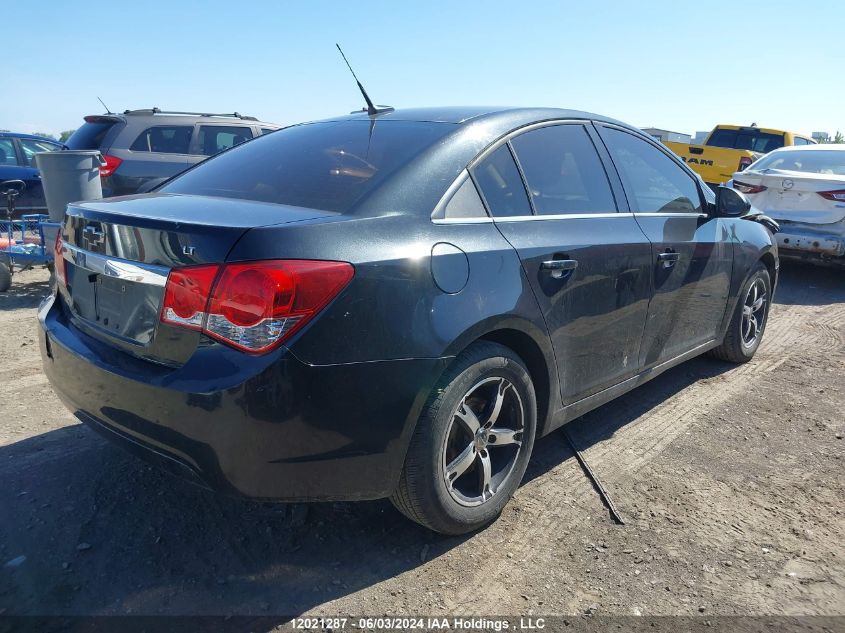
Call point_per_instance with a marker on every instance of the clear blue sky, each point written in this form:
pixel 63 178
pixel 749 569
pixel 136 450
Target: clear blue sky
pixel 679 65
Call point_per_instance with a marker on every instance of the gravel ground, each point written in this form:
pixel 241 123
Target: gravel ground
pixel 730 480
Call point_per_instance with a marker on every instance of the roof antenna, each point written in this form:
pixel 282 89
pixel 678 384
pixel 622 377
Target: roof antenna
pixel 371 109
pixel 104 105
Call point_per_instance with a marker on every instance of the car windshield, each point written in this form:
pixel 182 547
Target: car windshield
pixel 329 166
pixel 810 161
pixel 746 138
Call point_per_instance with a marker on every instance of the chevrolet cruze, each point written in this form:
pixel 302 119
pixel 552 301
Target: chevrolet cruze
pixel 397 304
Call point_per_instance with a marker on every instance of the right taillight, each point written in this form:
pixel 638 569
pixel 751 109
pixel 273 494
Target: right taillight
pixel 836 196
pixel 112 163
pixel 746 188
pixel 59 260
pixel 252 306
pixel 744 162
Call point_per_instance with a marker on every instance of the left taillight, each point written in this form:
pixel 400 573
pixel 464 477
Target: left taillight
pixel 746 188
pixel 59 260
pixel 744 162
pixel 112 163
pixel 835 196
pixel 252 306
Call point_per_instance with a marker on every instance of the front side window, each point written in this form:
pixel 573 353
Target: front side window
pixel 164 139
pixel 563 171
pixel 31 148
pixel 500 183
pixel 213 139
pixel 7 152
pixel 653 182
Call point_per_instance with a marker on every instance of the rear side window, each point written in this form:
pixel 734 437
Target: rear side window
pixel 266 130
pixel 7 152
pixel 653 182
pixel 746 138
pixel 213 139
pixel 90 135
pixel 563 171
pixel 500 183
pixel 801 141
pixel 329 166
pixel 164 139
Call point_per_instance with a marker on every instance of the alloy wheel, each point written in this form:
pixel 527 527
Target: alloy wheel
pixel 754 312
pixel 483 441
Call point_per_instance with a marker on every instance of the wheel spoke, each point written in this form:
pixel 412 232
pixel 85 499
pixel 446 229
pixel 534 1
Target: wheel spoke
pixel 459 465
pixel 504 437
pixel 486 474
pixel 746 328
pixel 501 389
pixel 758 305
pixel 468 417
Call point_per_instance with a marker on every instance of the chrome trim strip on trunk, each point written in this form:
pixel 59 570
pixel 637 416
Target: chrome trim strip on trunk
pixel 117 268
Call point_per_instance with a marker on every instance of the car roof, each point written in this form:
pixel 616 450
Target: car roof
pixel 812 148
pixel 466 114
pixel 31 137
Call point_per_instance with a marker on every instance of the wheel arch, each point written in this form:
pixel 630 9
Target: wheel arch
pixel 533 346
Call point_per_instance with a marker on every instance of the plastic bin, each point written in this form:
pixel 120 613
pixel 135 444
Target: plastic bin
pixel 69 176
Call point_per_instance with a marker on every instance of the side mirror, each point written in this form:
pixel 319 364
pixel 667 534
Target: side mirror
pixel 730 203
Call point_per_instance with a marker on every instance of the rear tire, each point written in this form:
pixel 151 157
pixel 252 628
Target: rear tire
pixel 748 322
pixel 5 277
pixel 472 442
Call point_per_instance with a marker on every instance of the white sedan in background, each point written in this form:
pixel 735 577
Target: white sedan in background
pixel 803 188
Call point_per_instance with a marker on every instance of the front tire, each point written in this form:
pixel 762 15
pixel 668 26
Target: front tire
pixel 472 442
pixel 748 322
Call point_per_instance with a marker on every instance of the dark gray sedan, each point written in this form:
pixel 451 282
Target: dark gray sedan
pixel 397 304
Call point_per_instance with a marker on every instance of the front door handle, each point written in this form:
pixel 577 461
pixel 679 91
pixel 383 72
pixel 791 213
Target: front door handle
pixel 560 267
pixel 668 259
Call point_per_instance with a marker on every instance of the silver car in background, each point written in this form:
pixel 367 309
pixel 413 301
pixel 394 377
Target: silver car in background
pixel 803 188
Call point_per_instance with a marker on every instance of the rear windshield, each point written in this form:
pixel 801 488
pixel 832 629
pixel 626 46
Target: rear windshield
pixel 750 139
pixel 328 166
pixel 89 136
pixel 811 161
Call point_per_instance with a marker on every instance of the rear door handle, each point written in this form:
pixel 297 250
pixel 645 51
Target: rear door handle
pixel 560 267
pixel 668 259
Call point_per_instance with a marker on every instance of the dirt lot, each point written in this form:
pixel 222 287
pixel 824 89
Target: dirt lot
pixel 731 480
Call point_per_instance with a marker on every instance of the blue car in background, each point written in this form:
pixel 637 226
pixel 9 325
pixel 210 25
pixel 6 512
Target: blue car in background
pixel 17 162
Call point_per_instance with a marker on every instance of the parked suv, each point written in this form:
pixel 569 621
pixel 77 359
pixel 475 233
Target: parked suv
pixel 17 162
pixel 143 148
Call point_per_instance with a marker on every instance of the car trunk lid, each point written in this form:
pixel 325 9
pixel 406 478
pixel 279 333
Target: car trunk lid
pixel 793 196
pixel 118 254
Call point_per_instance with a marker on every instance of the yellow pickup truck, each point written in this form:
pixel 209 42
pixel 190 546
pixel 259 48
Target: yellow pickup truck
pixel 731 148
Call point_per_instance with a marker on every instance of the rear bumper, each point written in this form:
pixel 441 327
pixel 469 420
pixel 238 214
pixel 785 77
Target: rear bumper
pixel 265 428
pixel 811 241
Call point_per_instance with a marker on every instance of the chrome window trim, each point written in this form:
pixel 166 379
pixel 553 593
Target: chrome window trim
pixel 567 216
pixel 116 267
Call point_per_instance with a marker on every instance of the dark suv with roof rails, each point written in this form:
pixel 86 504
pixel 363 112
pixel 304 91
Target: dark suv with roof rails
pixel 143 148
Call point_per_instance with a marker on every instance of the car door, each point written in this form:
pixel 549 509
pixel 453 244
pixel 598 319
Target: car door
pixel 692 254
pixel 158 152
pixel 587 262
pixel 32 199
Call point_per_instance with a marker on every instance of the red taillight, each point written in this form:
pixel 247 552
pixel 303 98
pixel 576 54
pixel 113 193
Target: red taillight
pixel 744 162
pixel 252 306
pixel 112 163
pixel 59 260
pixel 746 188
pixel 186 295
pixel 836 196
